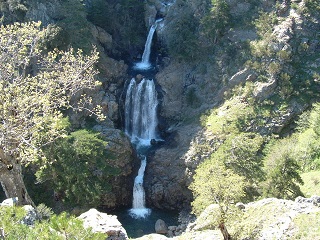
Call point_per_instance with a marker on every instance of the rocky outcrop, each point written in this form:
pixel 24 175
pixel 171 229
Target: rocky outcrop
pixel 104 223
pixel 166 177
pixel 121 153
pixel 281 224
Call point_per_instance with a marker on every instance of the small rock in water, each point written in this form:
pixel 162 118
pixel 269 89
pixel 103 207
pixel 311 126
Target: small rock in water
pixel 153 142
pixel 139 77
pixel 161 227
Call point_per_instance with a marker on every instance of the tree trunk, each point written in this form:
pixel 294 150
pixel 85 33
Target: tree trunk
pixel 224 231
pixel 11 179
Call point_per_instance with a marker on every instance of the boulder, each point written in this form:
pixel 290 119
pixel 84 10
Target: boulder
pixel 31 215
pixel 9 202
pixel 104 223
pixel 240 77
pixel 265 90
pixel 161 227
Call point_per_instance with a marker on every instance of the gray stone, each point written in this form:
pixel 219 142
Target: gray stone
pixel 239 77
pixel 31 215
pixel 102 222
pixel 240 205
pixel 161 227
pixel 9 202
pixel 265 90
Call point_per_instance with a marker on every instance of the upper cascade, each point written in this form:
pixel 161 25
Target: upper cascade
pixel 145 61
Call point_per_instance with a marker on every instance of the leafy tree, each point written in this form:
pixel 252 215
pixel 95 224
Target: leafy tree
pixel 216 21
pixel 282 170
pixel 183 41
pixel 35 89
pixel 215 184
pixel 308 136
pixel 78 167
pixel 240 153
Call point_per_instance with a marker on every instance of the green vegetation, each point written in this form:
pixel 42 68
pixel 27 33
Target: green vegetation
pixel 78 168
pixel 311 184
pixel 75 28
pixel 215 184
pixel 28 125
pixel 56 227
pixel 185 45
pixel 308 225
pixel 215 23
pixel 282 170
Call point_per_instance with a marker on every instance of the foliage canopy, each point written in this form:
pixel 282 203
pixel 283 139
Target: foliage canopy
pixel 35 89
pixel 78 167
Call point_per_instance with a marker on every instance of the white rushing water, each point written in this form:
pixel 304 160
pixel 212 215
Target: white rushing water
pixel 140 125
pixel 145 61
pixel 138 209
pixel 141 111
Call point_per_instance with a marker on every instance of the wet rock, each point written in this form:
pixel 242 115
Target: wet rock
pixel 153 142
pixel 139 78
pixel 161 227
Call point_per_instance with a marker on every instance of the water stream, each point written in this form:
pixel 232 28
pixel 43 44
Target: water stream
pixel 140 125
pixel 145 61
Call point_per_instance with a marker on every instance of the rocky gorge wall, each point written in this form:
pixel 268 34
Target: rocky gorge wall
pixel 190 88
pixel 191 82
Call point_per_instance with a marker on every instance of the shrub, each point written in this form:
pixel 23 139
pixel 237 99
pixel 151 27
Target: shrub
pixel 283 178
pixel 79 168
pixel 57 227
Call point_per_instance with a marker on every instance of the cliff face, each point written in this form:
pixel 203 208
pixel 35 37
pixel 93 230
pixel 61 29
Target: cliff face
pixel 197 70
pixel 200 83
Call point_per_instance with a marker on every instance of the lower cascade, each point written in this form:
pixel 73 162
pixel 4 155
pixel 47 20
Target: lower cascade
pixel 140 125
pixel 138 209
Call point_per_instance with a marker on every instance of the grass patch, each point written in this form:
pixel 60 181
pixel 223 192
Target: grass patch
pixel 307 226
pixel 311 184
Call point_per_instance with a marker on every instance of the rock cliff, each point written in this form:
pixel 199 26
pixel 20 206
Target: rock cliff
pixel 191 87
pixel 197 70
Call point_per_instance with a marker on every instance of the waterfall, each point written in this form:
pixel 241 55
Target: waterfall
pixel 138 209
pixel 141 111
pixel 145 61
pixel 140 125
